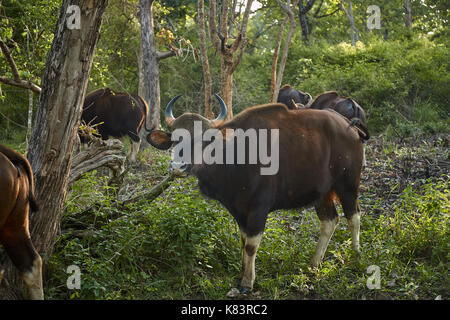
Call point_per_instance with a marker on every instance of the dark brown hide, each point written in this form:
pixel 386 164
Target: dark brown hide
pixel 320 160
pixel 345 106
pixel 119 113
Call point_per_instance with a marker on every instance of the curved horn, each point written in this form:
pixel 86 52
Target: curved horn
pixel 223 112
pixel 169 114
pixel 309 100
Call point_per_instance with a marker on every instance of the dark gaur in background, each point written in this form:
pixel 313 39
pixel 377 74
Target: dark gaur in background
pixel 16 201
pixel 319 163
pixel 292 98
pixel 348 107
pixel 117 114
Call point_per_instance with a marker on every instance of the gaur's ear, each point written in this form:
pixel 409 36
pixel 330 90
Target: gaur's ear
pixel 159 139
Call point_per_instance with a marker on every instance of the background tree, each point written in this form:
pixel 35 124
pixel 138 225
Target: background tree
pixel 201 21
pixel 150 63
pixel 408 17
pixel 290 14
pixel 351 19
pixel 230 54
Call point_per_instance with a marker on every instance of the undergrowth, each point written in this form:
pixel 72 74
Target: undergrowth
pixel 182 246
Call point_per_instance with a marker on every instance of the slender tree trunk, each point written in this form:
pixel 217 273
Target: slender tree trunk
pixel 230 54
pixel 408 16
pixel 30 118
pixel 290 14
pixel 273 81
pixel 304 24
pixel 57 119
pixel 140 59
pixel 151 92
pixel 204 58
pixel 349 13
pixel 226 90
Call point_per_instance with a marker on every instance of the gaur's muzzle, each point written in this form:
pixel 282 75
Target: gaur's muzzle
pixel 178 168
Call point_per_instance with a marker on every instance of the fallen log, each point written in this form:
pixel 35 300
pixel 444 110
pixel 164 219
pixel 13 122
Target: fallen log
pixel 100 153
pixel 153 193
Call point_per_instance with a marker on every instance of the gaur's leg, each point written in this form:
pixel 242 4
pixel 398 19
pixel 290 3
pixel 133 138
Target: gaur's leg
pixel 134 147
pixel 328 220
pixel 250 247
pixel 17 243
pixel 15 238
pixel 349 200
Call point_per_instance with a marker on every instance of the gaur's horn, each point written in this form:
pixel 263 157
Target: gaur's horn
pixel 309 100
pixel 223 112
pixel 169 114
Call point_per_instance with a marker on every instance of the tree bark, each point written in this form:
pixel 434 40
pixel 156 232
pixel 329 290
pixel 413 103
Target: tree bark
pixel 149 83
pixel 150 64
pixel 230 54
pixel 17 81
pixel 101 153
pixel 290 14
pixel 204 58
pixel 349 13
pixel 273 81
pixel 304 23
pixel 57 119
pixel 408 16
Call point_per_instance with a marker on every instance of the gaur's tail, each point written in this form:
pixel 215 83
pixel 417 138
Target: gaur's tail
pixel 146 111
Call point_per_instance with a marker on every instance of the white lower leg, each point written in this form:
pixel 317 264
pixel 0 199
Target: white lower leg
pixel 1 275
pixel 248 260
pixel 354 225
pixel 134 148
pixel 326 231
pixel 33 280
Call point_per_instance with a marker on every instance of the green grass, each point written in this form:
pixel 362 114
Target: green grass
pixel 181 246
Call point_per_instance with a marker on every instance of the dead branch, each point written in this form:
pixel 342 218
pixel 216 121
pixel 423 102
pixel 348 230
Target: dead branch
pixel 153 193
pixel 17 81
pixel 99 154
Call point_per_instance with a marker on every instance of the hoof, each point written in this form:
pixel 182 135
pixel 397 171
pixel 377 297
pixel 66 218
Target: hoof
pixel 244 290
pixel 233 293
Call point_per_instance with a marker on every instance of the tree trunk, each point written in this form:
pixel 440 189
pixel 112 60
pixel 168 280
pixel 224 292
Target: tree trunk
pixel 273 81
pixel 226 90
pixel 304 23
pixel 204 58
pixel 150 64
pixel 30 118
pixel 349 13
pixel 290 14
pixel 408 16
pixel 230 54
pixel 57 119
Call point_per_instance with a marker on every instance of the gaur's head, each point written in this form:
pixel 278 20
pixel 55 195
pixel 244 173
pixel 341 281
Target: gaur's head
pixel 292 98
pixel 187 126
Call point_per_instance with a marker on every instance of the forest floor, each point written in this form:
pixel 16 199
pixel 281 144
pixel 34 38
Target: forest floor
pixel 181 246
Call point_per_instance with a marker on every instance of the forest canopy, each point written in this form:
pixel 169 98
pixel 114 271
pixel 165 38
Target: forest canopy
pixel 394 72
